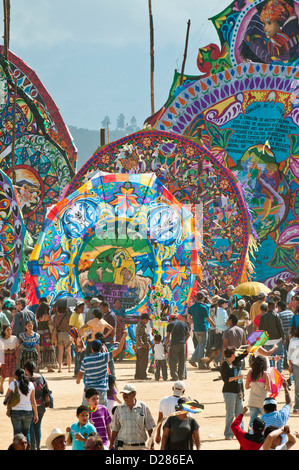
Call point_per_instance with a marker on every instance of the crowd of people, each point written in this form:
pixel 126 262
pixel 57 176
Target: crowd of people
pixel 91 335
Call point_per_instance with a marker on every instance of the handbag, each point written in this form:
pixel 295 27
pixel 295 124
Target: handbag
pixel 48 398
pixel 13 398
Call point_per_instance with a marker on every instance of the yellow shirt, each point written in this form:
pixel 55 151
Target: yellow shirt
pixel 76 320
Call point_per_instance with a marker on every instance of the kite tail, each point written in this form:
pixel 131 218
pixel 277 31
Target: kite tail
pixel 248 268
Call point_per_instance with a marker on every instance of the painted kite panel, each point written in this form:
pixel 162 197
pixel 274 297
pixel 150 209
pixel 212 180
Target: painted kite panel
pixel 12 233
pixel 41 165
pixel 195 177
pixel 249 120
pixel 120 236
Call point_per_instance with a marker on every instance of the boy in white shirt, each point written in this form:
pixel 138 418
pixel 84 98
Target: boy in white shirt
pixel 160 358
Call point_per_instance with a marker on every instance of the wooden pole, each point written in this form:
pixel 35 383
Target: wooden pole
pixel 6 11
pixel 107 131
pixel 102 136
pixel 14 134
pixel 185 52
pixel 152 64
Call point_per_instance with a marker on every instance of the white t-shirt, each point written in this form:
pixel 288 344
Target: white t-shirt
pixel 167 405
pixel 25 402
pixel 159 352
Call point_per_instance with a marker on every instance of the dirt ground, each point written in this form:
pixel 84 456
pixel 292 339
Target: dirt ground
pixel 200 385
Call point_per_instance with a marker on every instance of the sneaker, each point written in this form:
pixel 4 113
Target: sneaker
pixel 193 364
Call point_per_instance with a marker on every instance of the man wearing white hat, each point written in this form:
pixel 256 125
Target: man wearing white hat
pixel 132 422
pixel 56 440
pixel 167 405
pixel 242 314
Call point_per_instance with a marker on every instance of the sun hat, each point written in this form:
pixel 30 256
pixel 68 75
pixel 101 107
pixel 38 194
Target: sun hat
pixel 215 299
pixel 128 388
pixel 56 432
pixel 95 300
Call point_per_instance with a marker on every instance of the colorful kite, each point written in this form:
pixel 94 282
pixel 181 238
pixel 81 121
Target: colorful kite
pixel 42 167
pixel 242 28
pixel 117 235
pixel 194 177
pixel 249 120
pixel 28 81
pixel 256 339
pixel 12 234
pixel 276 380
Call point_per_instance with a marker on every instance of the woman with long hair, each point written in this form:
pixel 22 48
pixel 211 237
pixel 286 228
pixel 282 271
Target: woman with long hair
pixel 22 413
pixel 40 386
pixel 232 389
pixel 258 382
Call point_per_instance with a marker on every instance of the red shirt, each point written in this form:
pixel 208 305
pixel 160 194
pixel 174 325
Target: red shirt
pixel 247 441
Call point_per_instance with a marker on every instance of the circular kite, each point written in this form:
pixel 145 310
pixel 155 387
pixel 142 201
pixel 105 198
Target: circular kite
pixel 196 178
pixel 42 167
pixel 249 120
pixel 12 233
pixel 120 236
pixel 28 81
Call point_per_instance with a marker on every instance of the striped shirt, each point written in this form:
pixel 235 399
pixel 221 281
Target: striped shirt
pixel 95 370
pixel 278 418
pixel 100 419
pixel 286 317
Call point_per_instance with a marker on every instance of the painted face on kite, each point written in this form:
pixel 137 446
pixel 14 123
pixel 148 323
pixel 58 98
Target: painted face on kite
pixel 271 28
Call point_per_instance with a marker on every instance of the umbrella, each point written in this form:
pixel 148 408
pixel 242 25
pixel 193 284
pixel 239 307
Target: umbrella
pixel 65 302
pixel 251 288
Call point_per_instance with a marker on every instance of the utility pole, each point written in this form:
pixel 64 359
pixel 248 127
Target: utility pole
pixel 152 64
pixel 185 53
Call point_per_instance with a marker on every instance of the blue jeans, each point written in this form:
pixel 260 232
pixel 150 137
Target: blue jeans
pixel 254 413
pixel 296 385
pixel 161 364
pixel 202 339
pixel 278 352
pixel 21 421
pixel 234 406
pixel 35 429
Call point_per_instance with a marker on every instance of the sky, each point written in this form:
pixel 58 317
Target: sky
pixel 93 56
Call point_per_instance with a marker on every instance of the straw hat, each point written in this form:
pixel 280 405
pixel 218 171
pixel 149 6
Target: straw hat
pixel 56 432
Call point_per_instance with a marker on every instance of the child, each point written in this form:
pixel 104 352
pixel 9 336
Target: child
pixel 99 416
pixel 79 431
pixel 112 398
pixel 160 358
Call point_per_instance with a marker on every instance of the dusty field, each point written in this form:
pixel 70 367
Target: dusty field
pixel 199 385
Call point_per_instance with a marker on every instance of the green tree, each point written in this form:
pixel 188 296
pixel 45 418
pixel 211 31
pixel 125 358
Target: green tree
pixel 105 121
pixel 120 122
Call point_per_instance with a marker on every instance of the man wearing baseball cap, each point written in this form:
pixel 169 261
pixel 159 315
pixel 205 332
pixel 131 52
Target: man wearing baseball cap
pixel 242 314
pixel 132 422
pixel 167 405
